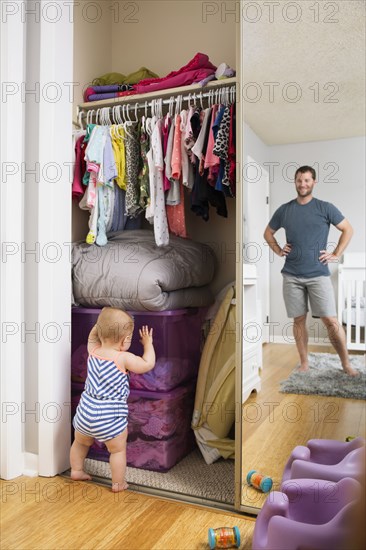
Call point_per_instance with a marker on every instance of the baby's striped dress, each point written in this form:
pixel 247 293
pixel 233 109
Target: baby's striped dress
pixel 102 410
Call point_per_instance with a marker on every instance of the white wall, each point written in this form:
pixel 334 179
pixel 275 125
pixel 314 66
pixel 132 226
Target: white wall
pixel 92 44
pixel 164 35
pixel 257 150
pixel 92 58
pixel 340 166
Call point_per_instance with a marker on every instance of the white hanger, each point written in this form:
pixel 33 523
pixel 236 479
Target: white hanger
pixel 93 113
pixel 188 101
pixel 120 121
pixel 80 119
pixel 171 106
pixel 116 120
pixel 128 113
pixel 148 125
pixel 128 122
pixel 209 103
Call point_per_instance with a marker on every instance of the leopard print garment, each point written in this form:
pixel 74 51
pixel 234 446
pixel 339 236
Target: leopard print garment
pixel 132 145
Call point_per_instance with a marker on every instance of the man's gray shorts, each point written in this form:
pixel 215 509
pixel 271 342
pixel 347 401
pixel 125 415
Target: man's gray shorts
pixel 298 291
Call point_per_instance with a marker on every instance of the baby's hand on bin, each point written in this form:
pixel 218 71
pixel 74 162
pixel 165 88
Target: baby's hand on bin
pixel 146 335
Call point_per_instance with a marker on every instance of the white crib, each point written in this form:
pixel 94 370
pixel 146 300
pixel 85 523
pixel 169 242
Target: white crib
pixel 352 298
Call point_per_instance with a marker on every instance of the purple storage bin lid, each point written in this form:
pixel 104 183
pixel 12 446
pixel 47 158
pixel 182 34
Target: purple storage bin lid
pixel 163 313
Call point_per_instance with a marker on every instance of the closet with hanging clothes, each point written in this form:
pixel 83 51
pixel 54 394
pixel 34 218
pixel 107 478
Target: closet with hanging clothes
pixel 153 160
pixel 178 147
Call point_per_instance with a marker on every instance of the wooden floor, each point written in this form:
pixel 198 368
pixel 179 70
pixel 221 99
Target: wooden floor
pixel 56 513
pixel 274 423
pixel 59 514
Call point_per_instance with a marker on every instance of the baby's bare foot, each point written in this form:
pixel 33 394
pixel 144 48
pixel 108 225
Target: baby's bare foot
pixel 117 487
pixel 80 475
pixel 302 368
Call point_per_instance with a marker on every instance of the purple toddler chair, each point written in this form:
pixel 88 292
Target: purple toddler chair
pixel 309 514
pixel 327 459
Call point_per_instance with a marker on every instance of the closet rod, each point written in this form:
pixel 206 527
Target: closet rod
pixel 215 92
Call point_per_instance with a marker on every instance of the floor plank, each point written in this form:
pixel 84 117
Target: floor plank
pixel 59 514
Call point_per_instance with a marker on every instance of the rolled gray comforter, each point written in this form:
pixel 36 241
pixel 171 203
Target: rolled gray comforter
pixel 131 272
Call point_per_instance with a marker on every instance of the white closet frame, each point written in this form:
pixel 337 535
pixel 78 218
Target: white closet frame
pixel 36 131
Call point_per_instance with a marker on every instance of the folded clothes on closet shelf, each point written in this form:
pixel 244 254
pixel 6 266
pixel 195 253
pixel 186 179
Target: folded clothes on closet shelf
pixel 110 85
pixel 198 70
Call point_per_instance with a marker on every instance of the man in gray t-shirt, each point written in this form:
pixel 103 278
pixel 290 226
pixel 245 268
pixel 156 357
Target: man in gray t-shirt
pixel 306 277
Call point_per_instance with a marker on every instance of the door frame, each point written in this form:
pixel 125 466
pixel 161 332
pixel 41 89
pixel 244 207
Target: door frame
pixel 36 142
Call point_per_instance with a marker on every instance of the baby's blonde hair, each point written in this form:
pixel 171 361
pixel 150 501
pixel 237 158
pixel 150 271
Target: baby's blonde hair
pixel 114 325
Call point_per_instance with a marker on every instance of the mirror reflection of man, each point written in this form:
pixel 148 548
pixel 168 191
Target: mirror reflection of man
pixel 306 276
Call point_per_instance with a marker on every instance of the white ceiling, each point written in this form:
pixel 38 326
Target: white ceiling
pixel 323 54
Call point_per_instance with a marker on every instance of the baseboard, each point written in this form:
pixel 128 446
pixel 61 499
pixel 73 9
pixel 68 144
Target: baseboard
pixel 30 465
pixel 312 341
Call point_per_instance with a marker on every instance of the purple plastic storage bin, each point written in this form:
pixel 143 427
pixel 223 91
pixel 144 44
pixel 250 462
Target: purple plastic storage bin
pixel 153 415
pixel 159 427
pixel 177 343
pixel 160 415
pixel 158 455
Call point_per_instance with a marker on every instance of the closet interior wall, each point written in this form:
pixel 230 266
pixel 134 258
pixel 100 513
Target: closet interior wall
pixel 162 36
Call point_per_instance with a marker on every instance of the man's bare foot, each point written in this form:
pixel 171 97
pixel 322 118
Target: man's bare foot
pixel 80 475
pixel 117 487
pixel 303 368
pixel 350 371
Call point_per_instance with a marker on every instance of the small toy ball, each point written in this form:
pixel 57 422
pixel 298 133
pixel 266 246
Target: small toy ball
pixel 259 481
pixel 224 537
pixel 350 437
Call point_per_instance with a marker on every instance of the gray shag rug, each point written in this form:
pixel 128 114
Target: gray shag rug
pixel 191 476
pixel 326 377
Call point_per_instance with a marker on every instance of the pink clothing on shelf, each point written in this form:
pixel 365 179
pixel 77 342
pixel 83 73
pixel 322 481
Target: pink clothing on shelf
pixel 199 61
pixel 177 152
pixel 184 79
pixel 198 68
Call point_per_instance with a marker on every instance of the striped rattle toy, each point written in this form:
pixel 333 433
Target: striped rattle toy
pixel 259 481
pixel 224 537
